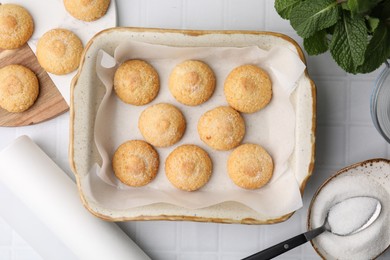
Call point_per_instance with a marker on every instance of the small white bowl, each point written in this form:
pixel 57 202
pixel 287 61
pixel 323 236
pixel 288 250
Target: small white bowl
pixel 368 178
pixel 380 103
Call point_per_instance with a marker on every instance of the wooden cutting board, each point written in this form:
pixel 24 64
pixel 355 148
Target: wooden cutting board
pixel 49 103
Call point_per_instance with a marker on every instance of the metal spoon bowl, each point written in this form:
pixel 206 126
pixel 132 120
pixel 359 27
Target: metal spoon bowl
pixel 291 243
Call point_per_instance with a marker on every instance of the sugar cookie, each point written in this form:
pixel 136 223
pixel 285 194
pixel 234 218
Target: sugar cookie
pixel 135 163
pixel 136 82
pixel 188 167
pixel 250 166
pixel 19 88
pixel 248 88
pixel 221 128
pixel 59 51
pixel 162 124
pixel 87 10
pixel 16 26
pixel 192 82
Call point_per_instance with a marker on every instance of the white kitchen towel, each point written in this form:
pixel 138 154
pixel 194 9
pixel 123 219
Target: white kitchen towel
pixel 51 196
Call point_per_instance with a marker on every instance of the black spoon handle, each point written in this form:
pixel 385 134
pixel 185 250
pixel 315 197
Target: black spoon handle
pixel 278 249
pixel 287 245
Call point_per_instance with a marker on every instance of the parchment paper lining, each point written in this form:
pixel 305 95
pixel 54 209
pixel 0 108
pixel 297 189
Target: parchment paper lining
pixel 273 128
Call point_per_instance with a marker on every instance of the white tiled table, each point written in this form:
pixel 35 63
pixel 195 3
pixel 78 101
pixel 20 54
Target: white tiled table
pixel 345 135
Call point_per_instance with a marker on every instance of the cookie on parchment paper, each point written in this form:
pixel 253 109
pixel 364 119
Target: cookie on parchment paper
pixel 135 163
pixel 162 124
pixel 192 82
pixel 188 167
pixel 248 88
pixel 250 166
pixel 136 82
pixel 221 128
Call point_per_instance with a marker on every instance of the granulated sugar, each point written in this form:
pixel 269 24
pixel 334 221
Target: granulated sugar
pixel 350 215
pixel 368 243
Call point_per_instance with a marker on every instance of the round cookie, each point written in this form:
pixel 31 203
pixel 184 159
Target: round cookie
pixel 136 82
pixel 192 82
pixel 87 10
pixel 59 51
pixel 188 167
pixel 248 88
pixel 19 88
pixel 250 166
pixel 162 124
pixel 16 26
pixel 221 128
pixel 135 163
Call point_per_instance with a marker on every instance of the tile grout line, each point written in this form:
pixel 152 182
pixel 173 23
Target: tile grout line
pixel 143 13
pixel 136 233
pixel 139 3
pixel 183 21
pixel 333 123
pixel 265 16
pixel 181 6
pixel 258 237
pixel 347 121
pixel 219 246
pixel 225 13
pixel 178 240
pixel 13 253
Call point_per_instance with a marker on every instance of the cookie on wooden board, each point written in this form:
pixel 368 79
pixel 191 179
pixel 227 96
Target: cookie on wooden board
pixel 19 88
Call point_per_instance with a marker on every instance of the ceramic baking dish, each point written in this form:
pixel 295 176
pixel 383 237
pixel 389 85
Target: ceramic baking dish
pixel 87 92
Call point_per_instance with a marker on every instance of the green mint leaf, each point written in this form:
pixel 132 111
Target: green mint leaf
pixel 372 24
pixel 317 43
pixel 345 6
pixel 378 49
pixel 284 7
pixel 349 42
pixel 362 6
pixel 309 17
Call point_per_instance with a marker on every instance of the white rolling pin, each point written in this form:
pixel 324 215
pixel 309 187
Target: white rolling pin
pixel 29 178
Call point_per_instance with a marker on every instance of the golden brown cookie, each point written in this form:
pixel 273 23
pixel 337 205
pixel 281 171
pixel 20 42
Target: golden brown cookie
pixel 221 128
pixel 16 26
pixel 19 88
pixel 192 82
pixel 87 10
pixel 136 82
pixel 135 163
pixel 248 88
pixel 250 166
pixel 188 167
pixel 162 125
pixel 59 51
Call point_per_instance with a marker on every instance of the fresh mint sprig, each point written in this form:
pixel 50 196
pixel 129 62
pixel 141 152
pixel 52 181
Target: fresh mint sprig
pixel 356 32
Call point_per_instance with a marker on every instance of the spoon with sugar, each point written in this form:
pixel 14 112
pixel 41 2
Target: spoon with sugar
pixel 344 218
